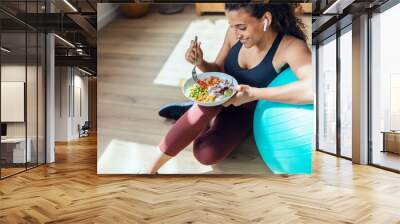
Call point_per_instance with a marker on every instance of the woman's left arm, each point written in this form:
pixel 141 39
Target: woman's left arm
pixel 298 56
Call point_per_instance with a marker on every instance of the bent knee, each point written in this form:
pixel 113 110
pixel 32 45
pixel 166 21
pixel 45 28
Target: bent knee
pixel 207 160
pixel 205 154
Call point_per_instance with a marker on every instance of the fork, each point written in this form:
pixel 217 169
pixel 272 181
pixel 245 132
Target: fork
pixel 194 74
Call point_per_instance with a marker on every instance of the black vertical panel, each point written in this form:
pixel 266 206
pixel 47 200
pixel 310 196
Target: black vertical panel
pixel 69 93
pixel 73 91
pixel 316 96
pixel 26 86
pixel 338 81
pixel 45 89
pixel 60 86
pixel 37 90
pixel 369 94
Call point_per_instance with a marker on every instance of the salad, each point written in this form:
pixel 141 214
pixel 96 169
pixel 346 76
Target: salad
pixel 211 89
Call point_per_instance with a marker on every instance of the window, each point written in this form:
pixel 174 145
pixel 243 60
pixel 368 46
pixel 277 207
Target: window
pixel 327 96
pixel 385 89
pixel 346 93
pixel 22 87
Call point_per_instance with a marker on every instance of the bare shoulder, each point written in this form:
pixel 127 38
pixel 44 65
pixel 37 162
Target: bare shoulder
pixel 293 45
pixel 231 37
pixel 292 51
pixel 224 51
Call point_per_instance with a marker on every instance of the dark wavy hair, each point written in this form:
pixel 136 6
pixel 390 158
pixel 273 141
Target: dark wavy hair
pixel 283 16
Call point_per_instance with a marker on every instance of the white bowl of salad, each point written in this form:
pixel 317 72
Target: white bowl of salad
pixel 212 89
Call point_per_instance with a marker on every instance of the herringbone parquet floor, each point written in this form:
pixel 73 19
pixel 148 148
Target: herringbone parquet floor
pixel 70 191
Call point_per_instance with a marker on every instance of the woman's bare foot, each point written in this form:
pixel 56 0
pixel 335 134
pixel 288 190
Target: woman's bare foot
pixel 158 161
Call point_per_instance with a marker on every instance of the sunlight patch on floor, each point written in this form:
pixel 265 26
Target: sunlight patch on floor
pixel 124 157
pixel 211 35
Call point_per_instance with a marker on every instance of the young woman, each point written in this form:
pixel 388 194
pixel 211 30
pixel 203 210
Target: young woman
pixel 261 41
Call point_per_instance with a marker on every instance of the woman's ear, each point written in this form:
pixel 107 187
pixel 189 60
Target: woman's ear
pixel 266 22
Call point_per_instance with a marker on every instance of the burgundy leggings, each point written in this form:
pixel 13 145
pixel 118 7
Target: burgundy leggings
pixel 212 142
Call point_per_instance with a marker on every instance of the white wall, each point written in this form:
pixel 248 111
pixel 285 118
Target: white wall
pixel 33 126
pixel 80 83
pixel 62 81
pixel 12 73
pixel 106 12
pixel 68 81
pixel 12 101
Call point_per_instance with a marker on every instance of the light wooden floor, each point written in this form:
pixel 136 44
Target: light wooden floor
pixel 13 170
pixel 70 191
pixel 10 171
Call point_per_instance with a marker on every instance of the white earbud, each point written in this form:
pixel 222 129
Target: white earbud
pixel 265 24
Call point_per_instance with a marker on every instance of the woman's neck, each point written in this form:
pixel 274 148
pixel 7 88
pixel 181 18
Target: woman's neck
pixel 266 40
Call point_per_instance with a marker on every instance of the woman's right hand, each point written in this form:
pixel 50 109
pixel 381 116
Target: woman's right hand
pixel 189 55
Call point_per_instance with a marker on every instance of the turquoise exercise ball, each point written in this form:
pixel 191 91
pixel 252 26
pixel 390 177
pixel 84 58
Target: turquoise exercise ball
pixel 283 132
